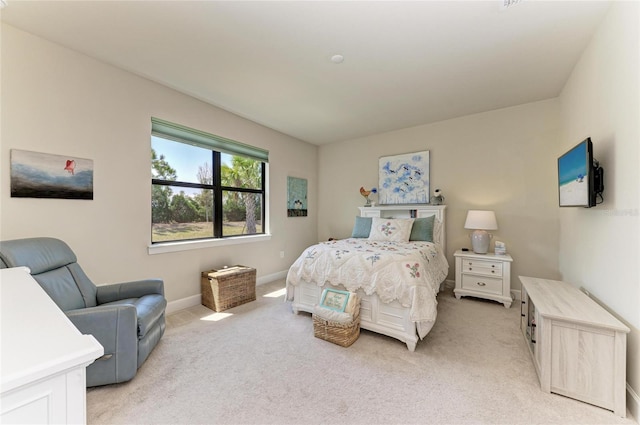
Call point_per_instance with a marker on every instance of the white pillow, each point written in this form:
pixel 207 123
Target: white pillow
pixel 437 231
pixel 391 229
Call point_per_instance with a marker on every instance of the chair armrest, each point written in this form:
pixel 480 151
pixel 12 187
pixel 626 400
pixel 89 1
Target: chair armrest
pixel 136 289
pixel 112 326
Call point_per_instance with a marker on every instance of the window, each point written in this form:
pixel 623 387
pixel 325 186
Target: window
pixel 204 186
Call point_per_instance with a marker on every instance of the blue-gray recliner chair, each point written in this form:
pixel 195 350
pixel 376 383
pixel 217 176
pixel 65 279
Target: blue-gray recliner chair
pixel 126 318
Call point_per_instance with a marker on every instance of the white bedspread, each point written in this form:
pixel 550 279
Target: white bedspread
pixel 410 272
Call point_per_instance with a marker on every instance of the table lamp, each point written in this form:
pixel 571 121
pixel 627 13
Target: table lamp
pixel 480 222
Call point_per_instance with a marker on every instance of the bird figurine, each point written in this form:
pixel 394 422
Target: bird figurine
pixel 437 198
pixel 365 193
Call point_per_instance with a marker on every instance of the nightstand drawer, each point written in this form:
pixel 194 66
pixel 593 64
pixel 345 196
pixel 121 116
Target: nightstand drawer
pixel 487 268
pixel 484 284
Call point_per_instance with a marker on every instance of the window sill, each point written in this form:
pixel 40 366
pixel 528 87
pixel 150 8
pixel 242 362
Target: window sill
pixel 163 248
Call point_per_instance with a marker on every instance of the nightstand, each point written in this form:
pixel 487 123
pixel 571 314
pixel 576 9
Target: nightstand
pixel 484 276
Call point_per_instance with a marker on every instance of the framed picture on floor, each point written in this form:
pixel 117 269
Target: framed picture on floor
pixel 334 299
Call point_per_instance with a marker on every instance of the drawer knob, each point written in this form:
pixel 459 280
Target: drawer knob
pixel 481 284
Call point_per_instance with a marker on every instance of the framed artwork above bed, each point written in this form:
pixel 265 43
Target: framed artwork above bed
pixel 404 179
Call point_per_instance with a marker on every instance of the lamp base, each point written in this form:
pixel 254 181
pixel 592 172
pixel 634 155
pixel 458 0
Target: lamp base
pixel 480 240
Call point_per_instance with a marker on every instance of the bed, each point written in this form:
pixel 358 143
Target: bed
pixel 397 276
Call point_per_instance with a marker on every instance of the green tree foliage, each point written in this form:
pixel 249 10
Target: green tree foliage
pixel 184 209
pixel 233 207
pixel 160 168
pixel 161 195
pixel 205 198
pixel 168 207
pixel 245 173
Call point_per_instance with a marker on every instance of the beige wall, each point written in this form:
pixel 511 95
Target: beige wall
pixel 57 101
pixel 501 160
pixel 599 247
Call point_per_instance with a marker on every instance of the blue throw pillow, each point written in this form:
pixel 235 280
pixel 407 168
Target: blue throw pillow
pixel 362 227
pixel 422 229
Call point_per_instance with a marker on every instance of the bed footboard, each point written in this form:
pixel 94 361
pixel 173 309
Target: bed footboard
pixel 390 319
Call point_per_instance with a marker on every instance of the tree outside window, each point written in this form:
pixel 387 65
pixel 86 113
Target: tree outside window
pixel 188 182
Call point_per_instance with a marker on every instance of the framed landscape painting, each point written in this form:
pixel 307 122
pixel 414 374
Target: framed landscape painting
pixel 43 175
pixel 404 179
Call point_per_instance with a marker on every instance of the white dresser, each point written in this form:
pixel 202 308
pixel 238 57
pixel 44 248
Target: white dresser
pixel 578 348
pixel 44 356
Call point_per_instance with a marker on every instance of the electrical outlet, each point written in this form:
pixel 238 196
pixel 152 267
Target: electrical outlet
pixel 281 254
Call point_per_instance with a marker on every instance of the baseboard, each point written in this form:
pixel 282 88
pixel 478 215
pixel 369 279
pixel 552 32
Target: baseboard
pixel 181 304
pixel 633 403
pixel 448 284
pixel 271 277
pixel 194 300
pixel 516 294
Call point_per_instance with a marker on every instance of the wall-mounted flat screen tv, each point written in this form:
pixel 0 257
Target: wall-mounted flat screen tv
pixel 579 176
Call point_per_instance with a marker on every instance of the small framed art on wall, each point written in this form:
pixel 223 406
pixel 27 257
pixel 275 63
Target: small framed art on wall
pixel 296 197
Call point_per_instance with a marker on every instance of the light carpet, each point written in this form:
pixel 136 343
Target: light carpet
pixel 260 364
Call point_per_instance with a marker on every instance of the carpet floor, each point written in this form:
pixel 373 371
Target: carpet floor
pixel 260 364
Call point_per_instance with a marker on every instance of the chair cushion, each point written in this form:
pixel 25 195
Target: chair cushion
pixel 39 254
pixel 53 265
pixel 61 287
pixel 149 308
pixel 86 287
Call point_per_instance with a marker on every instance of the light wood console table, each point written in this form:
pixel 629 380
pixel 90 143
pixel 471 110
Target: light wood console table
pixel 578 348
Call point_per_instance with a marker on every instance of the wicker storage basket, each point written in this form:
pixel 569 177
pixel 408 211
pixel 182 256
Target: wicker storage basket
pixel 229 287
pixel 343 334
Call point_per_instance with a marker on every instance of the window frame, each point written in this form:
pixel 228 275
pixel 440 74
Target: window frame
pixel 216 145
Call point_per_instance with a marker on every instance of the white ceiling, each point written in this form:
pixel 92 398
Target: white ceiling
pixel 406 63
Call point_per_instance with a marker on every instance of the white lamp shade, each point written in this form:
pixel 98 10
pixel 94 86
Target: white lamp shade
pixel 481 220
